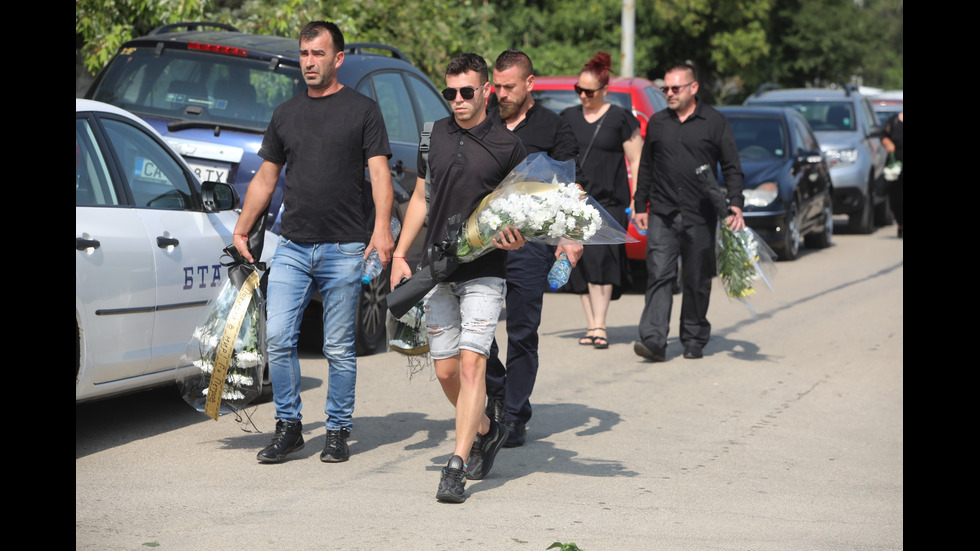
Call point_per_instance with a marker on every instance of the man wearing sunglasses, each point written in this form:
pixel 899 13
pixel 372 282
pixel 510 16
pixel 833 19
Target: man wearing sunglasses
pixel 540 129
pixel 681 221
pixel 470 153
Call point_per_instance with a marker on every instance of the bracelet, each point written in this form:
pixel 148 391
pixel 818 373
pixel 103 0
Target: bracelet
pixel 245 235
pixel 401 257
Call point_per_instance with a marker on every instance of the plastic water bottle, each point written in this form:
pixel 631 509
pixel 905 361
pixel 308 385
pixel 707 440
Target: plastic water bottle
pixel 558 275
pixel 372 264
pixel 638 230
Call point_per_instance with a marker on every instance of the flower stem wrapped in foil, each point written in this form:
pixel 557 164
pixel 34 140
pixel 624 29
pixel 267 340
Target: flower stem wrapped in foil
pixel 743 259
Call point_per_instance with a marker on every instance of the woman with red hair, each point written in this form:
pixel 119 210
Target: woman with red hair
pixel 606 133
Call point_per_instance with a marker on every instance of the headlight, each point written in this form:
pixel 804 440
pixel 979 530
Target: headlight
pixel 762 196
pixel 841 157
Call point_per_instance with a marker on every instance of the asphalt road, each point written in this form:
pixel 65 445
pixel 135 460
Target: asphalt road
pixel 787 435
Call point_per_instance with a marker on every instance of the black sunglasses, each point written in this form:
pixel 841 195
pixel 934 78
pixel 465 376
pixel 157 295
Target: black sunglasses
pixel 675 89
pixel 466 91
pixel 588 93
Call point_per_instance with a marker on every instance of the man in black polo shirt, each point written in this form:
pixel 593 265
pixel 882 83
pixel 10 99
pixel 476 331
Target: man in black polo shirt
pixel 681 221
pixel 470 154
pixel 540 129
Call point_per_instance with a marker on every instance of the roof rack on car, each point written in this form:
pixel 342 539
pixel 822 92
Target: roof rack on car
pixel 765 88
pixel 848 88
pixel 359 47
pixel 193 26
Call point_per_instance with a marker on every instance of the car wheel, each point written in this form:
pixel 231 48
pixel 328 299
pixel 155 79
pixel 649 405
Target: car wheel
pixel 372 312
pixel 822 239
pixel 789 249
pixel 861 222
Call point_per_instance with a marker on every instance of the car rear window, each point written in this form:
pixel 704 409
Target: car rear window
pixel 198 86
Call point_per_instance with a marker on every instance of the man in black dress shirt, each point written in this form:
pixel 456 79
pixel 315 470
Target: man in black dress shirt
pixel 540 129
pixel 681 220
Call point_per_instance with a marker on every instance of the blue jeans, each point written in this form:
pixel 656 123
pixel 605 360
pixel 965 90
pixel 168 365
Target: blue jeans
pixel 297 270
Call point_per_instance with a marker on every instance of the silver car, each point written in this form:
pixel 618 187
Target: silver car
pixel 147 252
pixel 849 136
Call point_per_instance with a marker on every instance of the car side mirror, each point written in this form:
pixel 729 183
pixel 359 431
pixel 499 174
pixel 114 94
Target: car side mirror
pixel 218 196
pixel 877 132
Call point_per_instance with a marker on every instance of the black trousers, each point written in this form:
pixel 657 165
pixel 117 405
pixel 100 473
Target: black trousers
pixel 527 280
pixel 670 237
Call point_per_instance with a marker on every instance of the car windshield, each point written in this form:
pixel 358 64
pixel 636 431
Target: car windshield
pixel 198 87
pixel 559 100
pixel 760 138
pixel 823 115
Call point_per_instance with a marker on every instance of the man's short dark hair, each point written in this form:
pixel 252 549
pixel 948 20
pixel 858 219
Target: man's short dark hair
pixel 313 29
pixel 510 58
pixel 468 62
pixel 684 67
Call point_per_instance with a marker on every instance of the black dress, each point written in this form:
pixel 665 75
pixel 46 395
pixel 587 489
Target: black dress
pixel 605 170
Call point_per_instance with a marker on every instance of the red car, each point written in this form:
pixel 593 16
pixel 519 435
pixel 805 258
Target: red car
pixel 638 95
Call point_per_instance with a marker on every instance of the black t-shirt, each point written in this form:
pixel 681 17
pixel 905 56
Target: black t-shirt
pixel 467 165
pixel 895 130
pixel 325 144
pixel 543 130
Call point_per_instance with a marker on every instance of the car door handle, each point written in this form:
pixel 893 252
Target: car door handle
pixel 82 244
pixel 164 242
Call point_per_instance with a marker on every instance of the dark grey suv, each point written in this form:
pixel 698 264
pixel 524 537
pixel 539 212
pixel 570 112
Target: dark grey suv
pixel 211 90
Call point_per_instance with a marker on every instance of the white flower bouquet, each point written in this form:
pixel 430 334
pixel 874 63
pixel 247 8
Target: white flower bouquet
pixel 893 169
pixel 743 259
pixel 540 200
pixel 227 348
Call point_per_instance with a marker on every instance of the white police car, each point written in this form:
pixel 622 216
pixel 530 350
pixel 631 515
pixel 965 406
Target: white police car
pixel 147 252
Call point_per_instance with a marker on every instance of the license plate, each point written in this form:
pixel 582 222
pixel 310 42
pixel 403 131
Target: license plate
pixel 210 172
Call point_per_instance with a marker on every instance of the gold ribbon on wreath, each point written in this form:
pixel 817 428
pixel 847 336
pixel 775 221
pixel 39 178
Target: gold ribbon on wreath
pixel 226 345
pixel 526 187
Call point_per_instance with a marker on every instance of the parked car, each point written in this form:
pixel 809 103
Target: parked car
pixel 637 95
pixel 849 135
pixel 147 252
pixel 887 104
pixel 787 187
pixel 212 92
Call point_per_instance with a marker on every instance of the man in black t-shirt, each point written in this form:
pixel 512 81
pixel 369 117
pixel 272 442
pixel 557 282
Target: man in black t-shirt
pixel 470 154
pixel 324 137
pixel 509 385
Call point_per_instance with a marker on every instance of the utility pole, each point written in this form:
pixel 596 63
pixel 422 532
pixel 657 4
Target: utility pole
pixel 629 37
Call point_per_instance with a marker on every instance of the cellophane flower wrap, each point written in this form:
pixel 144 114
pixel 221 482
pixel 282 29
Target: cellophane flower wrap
pixel 744 261
pixel 541 200
pixel 408 336
pixel 230 338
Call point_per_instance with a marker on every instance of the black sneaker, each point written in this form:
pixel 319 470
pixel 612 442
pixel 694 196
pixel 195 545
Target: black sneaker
pixel 288 438
pixel 452 486
pixel 474 463
pixel 335 449
pixel 482 455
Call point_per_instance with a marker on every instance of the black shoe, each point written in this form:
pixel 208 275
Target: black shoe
pixel 288 438
pixel 518 431
pixel 335 449
pixel 484 451
pixel 452 486
pixel 693 352
pixel 495 410
pixel 652 352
